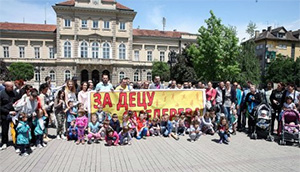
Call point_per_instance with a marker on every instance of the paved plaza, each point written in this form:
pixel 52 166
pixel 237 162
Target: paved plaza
pixel 158 154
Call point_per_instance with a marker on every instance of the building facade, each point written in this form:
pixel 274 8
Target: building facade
pixel 272 42
pixel 90 38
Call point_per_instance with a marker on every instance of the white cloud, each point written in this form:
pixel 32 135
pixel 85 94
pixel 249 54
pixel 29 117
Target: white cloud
pixel 30 11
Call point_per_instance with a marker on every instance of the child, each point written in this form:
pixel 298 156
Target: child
pixel 103 130
pixel 292 128
pixel 181 128
pixel 115 123
pixel 24 135
pixel 206 124
pixel 125 122
pixel 132 123
pixel 39 123
pixel 141 127
pixel 175 123
pixel 112 137
pixel 72 131
pixel 195 131
pixel 125 136
pixel 81 124
pixel 288 105
pixel 223 131
pixel 94 130
pixel 234 121
pixel 71 112
pixel 101 114
pixel 166 126
pixel 154 127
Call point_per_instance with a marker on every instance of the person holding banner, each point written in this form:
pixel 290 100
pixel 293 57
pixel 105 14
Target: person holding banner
pixel 104 85
pixel 156 84
pixel 123 86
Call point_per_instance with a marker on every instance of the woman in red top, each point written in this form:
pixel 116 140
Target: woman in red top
pixel 210 94
pixel 141 127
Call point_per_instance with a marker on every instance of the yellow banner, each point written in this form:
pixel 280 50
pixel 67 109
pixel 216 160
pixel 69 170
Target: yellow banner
pixel 155 102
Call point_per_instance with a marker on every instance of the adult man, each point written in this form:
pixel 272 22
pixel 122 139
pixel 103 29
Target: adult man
pixel 104 85
pixel 173 85
pixel 156 84
pixel 7 98
pixel 219 97
pixel 277 100
pixel 123 86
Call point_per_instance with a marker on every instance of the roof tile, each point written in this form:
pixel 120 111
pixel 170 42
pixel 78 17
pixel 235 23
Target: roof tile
pixel 157 33
pixel 27 27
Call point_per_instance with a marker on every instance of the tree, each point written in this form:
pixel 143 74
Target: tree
pixel 161 69
pixel 251 29
pixel 249 64
pixel 284 69
pixel 215 54
pixel 184 69
pixel 4 73
pixel 20 70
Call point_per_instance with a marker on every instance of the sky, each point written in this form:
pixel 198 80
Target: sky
pixel 182 15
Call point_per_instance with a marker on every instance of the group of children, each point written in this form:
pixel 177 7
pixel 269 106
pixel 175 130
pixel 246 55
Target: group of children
pixel 106 127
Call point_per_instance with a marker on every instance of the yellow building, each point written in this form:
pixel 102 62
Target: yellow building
pixel 90 38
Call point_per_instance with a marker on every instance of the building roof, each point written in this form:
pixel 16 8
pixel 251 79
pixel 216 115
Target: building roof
pixel 72 3
pixel 157 33
pixel 27 27
pixel 272 34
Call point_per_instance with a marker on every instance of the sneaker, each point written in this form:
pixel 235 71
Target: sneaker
pixel 89 142
pixel 4 146
pixel 39 146
pixel 58 137
pixel 220 141
pixel 97 141
pixel 18 151
pixel 32 148
pixel 129 143
pixel 144 137
pixel 24 154
pixel 44 144
pixel 63 137
pixel 192 141
pixel 77 143
pixel 83 142
pixel 47 139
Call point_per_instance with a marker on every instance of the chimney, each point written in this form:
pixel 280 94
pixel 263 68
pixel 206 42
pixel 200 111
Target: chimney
pixel 269 28
pixel 174 30
pixel 264 30
pixel 256 33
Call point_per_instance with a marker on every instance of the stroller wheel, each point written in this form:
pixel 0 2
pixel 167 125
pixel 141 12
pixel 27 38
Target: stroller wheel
pixel 270 138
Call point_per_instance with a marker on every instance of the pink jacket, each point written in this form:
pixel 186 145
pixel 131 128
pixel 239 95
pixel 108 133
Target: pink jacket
pixel 81 121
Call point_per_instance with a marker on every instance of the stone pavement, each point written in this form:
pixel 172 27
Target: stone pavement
pixel 158 154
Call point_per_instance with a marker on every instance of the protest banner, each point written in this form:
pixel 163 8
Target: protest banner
pixel 155 102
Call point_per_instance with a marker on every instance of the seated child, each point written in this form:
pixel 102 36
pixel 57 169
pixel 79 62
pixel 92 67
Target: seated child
pixel 81 123
pixel 104 128
pixel 154 127
pixel 175 123
pixel 125 136
pixel 292 128
pixel 141 127
pixel 115 123
pixel 287 105
pixel 39 123
pixel 223 129
pixel 132 123
pixel 72 131
pixel 102 116
pixel 206 124
pixel 165 126
pixel 71 113
pixel 195 131
pixel 23 134
pixel 181 127
pixel 94 129
pixel 112 137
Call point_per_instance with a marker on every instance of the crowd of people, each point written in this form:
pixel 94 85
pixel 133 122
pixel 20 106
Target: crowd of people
pixel 30 112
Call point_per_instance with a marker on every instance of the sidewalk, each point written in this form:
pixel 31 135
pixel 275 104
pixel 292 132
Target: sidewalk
pixel 158 154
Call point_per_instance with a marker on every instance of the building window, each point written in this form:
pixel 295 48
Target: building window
pixel 106 25
pixel 106 50
pixel 162 56
pixel 149 76
pixel 280 35
pixel 67 49
pixel 149 56
pixel 95 50
pixel 84 23
pixel 51 52
pixel 5 51
pixel 37 76
pixel 95 24
pixel 67 23
pixel 135 76
pixel 22 52
pixel 37 52
pixel 136 55
pixel 67 75
pixel 121 76
pixel 84 50
pixel 122 26
pixel 122 51
pixel 52 75
pixel 282 46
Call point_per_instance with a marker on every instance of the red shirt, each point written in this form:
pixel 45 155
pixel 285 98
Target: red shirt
pixel 211 94
pixel 140 124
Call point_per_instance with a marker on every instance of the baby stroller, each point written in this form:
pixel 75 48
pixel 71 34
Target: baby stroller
pixel 289 127
pixel 262 117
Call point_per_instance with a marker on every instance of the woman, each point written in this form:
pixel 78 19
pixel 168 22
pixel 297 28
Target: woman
pixel 91 86
pixel 277 100
pixel 59 108
pixel 145 85
pixel 210 95
pixel 83 95
pixel 20 88
pixel 70 93
pixel 45 106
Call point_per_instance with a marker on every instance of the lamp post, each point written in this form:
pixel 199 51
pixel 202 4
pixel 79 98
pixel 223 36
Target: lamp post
pixel 38 69
pixel 172 60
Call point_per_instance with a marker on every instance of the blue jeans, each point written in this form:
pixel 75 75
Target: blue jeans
pixel 228 115
pixel 164 131
pixel 223 136
pixel 142 133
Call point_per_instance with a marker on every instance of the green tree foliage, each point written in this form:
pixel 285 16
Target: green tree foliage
pixel 251 29
pixel 249 64
pixel 161 69
pixel 215 54
pixel 3 71
pixel 184 69
pixel 284 69
pixel 20 70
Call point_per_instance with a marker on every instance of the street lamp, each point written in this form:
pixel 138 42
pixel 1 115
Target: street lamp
pixel 172 60
pixel 38 69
